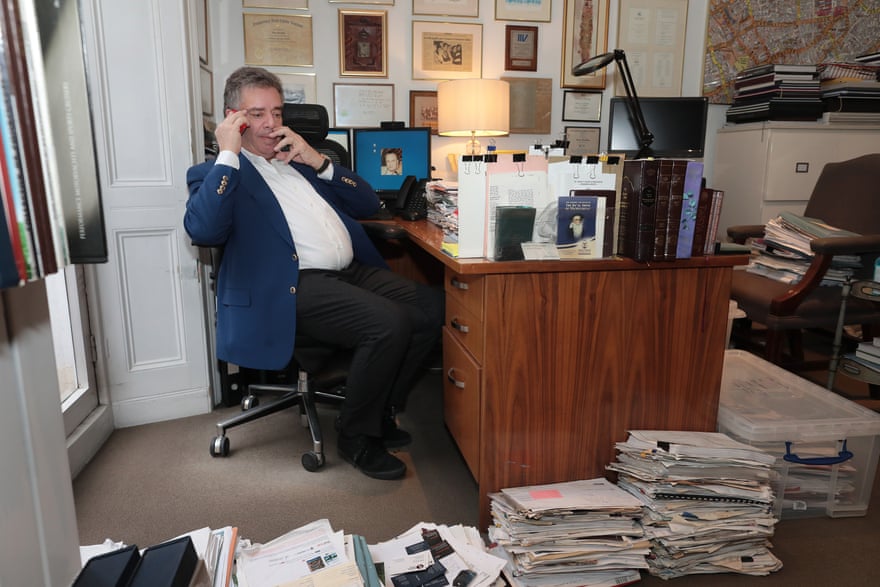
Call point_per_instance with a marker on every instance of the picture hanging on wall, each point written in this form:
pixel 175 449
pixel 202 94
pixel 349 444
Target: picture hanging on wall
pixel 585 35
pixel 423 109
pixel 278 39
pixel 447 7
pixel 532 11
pixel 445 50
pixel 363 43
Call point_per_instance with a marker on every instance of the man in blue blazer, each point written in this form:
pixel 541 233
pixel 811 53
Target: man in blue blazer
pixel 296 260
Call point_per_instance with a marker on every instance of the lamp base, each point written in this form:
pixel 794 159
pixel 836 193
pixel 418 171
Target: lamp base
pixel 473 147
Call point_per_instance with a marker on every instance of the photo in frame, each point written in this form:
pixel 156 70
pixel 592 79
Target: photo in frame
pixel 443 50
pixel 585 35
pixel 285 4
pixel 362 104
pixel 446 7
pixel 582 140
pixel 298 88
pixel 532 11
pixel 581 106
pixel 520 48
pixel 531 104
pixel 202 30
pixel 363 43
pixel 278 39
pixel 423 109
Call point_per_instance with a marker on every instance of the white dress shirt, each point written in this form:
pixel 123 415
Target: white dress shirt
pixel 322 241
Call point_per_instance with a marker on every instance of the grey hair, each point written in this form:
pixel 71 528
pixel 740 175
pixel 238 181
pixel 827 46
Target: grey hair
pixel 244 77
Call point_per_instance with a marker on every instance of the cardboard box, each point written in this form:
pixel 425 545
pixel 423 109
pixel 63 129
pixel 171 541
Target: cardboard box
pixel 826 446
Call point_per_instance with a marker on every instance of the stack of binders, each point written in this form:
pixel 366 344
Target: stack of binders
pixel 776 92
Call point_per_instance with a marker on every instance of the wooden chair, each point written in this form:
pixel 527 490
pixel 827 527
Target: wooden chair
pixel 846 195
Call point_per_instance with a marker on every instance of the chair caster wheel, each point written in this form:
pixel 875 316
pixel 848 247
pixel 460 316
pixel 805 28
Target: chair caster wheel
pixel 248 402
pixel 312 461
pixel 220 446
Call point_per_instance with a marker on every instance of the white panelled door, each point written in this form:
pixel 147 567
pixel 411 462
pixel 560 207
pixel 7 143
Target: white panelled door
pixel 149 300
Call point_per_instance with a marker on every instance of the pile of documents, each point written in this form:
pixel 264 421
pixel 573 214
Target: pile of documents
pixel 442 199
pixel 707 501
pixel 583 533
pixel 784 254
pixel 315 555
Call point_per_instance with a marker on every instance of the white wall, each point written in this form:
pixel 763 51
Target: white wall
pixel 228 53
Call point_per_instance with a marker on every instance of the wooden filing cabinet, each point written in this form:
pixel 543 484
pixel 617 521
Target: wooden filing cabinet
pixel 768 167
pixel 463 352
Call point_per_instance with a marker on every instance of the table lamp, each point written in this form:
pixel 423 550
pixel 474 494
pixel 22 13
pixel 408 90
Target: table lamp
pixel 636 116
pixel 473 108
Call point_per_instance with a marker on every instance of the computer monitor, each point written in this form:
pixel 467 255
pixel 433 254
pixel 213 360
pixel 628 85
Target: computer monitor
pixel 678 126
pixel 384 157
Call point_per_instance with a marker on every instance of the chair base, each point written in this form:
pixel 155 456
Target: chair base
pixel 299 395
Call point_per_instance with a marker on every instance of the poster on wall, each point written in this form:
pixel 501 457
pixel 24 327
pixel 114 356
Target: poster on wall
pixel 585 35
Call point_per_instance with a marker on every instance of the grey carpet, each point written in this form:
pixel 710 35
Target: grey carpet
pixel 153 482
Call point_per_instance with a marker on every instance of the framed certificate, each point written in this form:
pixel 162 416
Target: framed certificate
pixel 520 48
pixel 581 106
pixel 447 7
pixel 582 140
pixel 278 39
pixel 362 104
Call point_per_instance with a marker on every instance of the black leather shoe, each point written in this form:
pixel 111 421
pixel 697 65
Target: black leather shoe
pixel 368 455
pixel 392 435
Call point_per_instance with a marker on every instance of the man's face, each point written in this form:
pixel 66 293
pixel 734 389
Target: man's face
pixel 391 162
pixel 263 107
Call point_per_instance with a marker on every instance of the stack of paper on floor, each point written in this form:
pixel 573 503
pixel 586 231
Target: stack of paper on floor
pixel 583 533
pixel 707 501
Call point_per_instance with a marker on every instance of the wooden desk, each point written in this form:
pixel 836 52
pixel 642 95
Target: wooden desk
pixel 549 363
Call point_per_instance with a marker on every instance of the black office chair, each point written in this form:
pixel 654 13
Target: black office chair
pixel 312 122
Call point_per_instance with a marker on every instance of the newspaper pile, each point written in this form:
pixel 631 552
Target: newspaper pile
pixel 583 533
pixel 784 254
pixel 707 501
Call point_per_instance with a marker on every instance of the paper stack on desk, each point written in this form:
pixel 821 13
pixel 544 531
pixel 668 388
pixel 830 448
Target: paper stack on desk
pixel 582 533
pixel 707 501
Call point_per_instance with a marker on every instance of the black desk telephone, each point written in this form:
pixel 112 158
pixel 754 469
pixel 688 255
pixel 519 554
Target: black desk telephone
pixel 411 202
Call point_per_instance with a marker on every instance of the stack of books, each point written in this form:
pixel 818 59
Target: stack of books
pixel 776 92
pixel 784 253
pixel 850 91
pixel 584 533
pixel 707 501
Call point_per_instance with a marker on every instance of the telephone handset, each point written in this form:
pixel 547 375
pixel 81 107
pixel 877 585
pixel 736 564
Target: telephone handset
pixel 411 202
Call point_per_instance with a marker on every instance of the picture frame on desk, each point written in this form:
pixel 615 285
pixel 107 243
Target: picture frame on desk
pixel 363 43
pixel 576 48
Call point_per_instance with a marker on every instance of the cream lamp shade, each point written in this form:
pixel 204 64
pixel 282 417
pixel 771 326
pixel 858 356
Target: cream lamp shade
pixel 473 108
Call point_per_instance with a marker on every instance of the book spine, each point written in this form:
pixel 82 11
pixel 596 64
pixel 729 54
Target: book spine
pixel 693 180
pixel 661 208
pixel 646 212
pixel 701 224
pixel 714 217
pixel 630 186
pixel 676 201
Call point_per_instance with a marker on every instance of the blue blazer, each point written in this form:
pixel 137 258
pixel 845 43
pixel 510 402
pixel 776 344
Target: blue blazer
pixel 259 272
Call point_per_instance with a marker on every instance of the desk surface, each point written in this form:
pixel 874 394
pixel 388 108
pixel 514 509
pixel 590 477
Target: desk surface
pixel 430 237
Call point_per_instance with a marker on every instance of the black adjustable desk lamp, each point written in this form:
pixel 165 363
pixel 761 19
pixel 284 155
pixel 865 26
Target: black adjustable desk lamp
pixel 596 63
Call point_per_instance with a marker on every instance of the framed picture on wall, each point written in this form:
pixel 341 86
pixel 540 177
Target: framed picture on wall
pixel 582 140
pixel 385 2
pixel 581 106
pixel 585 35
pixel 299 88
pixel 423 109
pixel 362 104
pixel 520 48
pixel 363 43
pixel 447 7
pixel 286 4
pixel 278 39
pixel 532 11
pixel 446 50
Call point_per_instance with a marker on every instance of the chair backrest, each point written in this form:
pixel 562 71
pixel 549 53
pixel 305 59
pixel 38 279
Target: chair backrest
pixel 847 195
pixel 312 122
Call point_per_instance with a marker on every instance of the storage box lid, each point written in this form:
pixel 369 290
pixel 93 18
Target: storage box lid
pixel 762 402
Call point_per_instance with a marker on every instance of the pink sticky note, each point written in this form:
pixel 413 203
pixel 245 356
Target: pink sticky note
pixel 546 494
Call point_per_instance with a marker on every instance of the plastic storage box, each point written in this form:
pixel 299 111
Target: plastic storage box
pixel 826 446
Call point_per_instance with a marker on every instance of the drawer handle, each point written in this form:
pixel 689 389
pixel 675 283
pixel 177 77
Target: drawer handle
pixel 464 328
pixel 459 284
pixel 451 376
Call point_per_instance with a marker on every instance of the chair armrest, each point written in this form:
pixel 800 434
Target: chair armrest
pixel 787 303
pixel 384 230
pixel 847 245
pixel 739 234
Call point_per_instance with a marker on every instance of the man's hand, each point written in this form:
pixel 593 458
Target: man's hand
pixel 292 147
pixel 228 132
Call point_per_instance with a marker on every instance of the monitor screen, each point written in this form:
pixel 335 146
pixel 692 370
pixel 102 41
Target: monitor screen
pixel 678 126
pixel 384 157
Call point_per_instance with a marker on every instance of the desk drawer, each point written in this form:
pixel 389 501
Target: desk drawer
pixel 461 399
pixel 467 290
pixel 466 327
